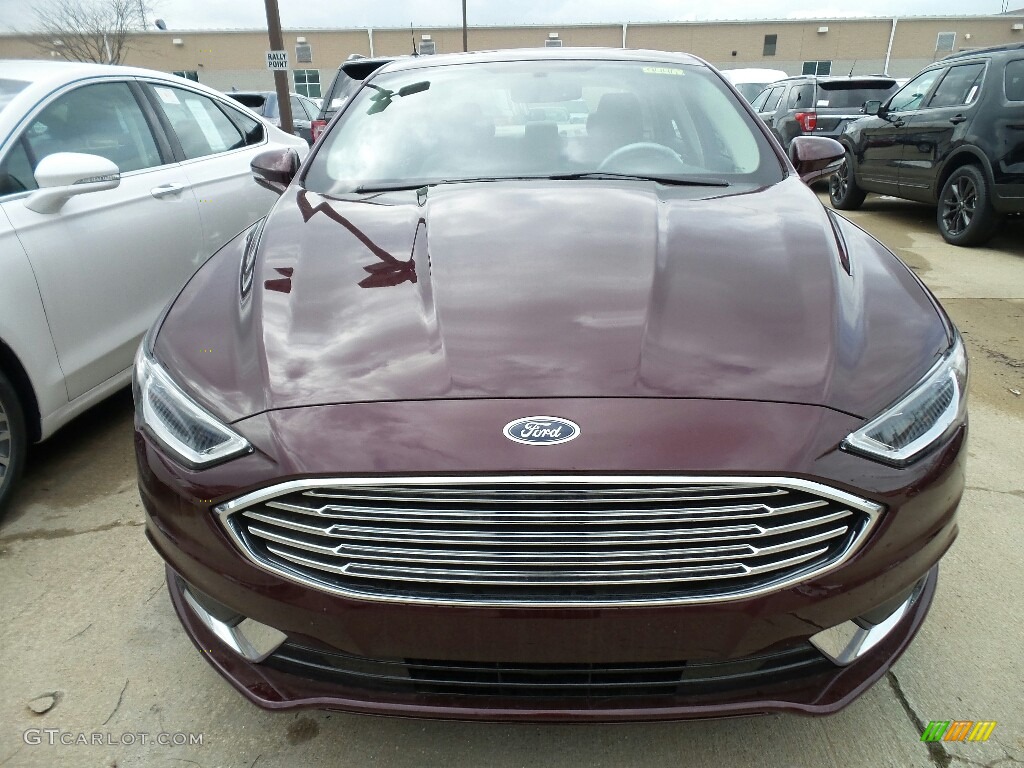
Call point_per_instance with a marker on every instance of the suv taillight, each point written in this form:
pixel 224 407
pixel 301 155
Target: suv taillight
pixel 317 126
pixel 808 120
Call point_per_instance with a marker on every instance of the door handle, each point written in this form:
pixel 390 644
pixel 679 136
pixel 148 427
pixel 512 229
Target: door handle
pixel 167 190
pixel 899 122
pixel 957 119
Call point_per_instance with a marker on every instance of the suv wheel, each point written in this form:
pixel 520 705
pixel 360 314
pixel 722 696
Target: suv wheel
pixel 965 215
pixel 12 440
pixel 842 187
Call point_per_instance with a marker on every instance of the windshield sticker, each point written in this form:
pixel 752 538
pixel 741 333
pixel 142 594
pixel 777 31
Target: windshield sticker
pixel 664 71
pixel 167 96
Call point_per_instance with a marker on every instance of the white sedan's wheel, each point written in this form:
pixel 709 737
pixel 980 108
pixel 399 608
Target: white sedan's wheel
pixel 12 440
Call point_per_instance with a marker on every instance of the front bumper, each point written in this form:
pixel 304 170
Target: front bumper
pixel 343 633
pixel 799 679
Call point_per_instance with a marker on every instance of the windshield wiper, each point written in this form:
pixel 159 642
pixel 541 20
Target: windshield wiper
pixel 393 187
pixel 679 181
pixel 400 185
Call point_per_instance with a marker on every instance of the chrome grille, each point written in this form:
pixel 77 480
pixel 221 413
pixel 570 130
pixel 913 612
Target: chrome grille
pixel 549 541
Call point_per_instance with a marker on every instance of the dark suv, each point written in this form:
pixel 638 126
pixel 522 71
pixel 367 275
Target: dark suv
pixel 347 79
pixel 818 106
pixel 953 135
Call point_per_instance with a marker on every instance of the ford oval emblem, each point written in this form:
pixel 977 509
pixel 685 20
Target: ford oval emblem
pixel 542 430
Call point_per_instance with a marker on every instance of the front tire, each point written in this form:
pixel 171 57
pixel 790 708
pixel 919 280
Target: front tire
pixel 842 187
pixel 965 215
pixel 12 440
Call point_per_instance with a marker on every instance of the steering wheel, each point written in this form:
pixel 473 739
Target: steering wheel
pixel 631 159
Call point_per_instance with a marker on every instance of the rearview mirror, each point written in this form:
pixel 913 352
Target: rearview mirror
pixel 275 168
pixel 815 157
pixel 872 107
pixel 63 175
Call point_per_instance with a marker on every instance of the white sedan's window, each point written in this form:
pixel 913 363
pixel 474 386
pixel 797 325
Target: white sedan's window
pixel 202 128
pixel 103 119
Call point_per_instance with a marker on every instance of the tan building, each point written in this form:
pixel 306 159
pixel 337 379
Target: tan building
pixel 226 58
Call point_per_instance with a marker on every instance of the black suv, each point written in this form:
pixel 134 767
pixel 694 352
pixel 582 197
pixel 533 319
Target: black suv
pixel 808 105
pixel 953 135
pixel 347 80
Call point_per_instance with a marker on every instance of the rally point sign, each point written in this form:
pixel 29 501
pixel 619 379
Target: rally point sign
pixel 277 59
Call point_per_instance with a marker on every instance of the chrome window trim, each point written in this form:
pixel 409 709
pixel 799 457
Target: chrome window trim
pixel 871 510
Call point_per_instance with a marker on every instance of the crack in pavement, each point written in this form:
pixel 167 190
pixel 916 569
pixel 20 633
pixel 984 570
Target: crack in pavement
pixel 992 490
pixel 119 700
pixel 63 533
pixel 936 752
pixel 992 763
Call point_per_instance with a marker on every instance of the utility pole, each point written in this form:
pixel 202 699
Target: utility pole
pixel 284 103
pixel 465 31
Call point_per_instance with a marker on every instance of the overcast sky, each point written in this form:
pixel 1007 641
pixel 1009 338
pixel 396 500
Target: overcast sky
pixel 250 14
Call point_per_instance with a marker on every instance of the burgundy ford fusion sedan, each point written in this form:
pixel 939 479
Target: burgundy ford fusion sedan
pixel 496 417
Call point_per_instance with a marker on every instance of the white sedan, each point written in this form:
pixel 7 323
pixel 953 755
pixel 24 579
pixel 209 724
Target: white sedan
pixel 116 184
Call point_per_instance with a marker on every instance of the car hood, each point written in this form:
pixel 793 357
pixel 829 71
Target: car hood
pixel 553 289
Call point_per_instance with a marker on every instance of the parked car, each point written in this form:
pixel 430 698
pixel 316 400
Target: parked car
pixel 265 104
pixel 528 426
pixel 952 136
pixel 808 105
pixel 750 81
pixel 115 185
pixel 346 80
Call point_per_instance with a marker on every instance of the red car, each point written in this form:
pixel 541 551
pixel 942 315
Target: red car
pixel 491 419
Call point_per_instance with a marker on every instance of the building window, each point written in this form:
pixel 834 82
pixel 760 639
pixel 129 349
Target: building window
pixel 945 41
pixel 307 82
pixel 304 53
pixel 770 41
pixel 188 74
pixel 427 48
pixel 817 68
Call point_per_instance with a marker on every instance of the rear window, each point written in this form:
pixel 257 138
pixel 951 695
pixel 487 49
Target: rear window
pixel 1015 80
pixel 8 90
pixel 347 82
pixel 840 95
pixel 254 101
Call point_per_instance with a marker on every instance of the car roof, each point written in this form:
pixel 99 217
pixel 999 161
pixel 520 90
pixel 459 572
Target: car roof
pixel 986 51
pixel 539 54
pixel 836 78
pixel 54 73
pixel 744 75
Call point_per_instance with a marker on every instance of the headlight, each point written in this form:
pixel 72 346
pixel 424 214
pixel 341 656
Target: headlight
pixel 193 436
pixel 921 418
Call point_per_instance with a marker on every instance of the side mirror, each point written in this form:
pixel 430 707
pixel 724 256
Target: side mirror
pixel 872 107
pixel 63 175
pixel 275 168
pixel 815 157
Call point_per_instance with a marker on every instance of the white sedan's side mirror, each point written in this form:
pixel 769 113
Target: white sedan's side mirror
pixel 63 175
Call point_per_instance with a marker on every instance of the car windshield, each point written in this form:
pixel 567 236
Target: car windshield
pixel 677 123
pixel 8 90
